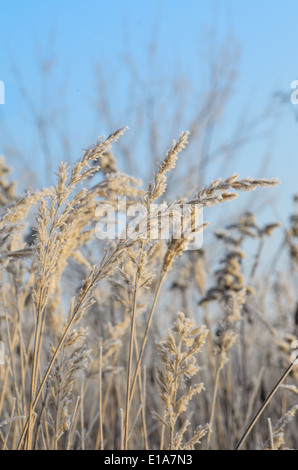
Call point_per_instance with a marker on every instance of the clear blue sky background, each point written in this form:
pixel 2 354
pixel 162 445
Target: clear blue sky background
pixel 77 33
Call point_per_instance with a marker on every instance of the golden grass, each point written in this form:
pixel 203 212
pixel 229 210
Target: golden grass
pixel 96 355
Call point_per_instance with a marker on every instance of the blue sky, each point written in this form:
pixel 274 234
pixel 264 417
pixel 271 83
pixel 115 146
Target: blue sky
pixel 76 34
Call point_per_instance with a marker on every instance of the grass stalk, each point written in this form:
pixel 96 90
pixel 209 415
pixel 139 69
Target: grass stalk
pixel 264 405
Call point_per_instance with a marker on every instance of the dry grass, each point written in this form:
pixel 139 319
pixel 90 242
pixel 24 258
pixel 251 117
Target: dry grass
pixel 96 355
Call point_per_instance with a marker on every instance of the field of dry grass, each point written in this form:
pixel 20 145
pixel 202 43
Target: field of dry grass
pixel 140 343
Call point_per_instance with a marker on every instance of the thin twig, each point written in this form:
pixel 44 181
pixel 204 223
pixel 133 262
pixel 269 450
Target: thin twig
pixel 270 434
pixel 262 408
pixel 145 336
pixel 213 405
